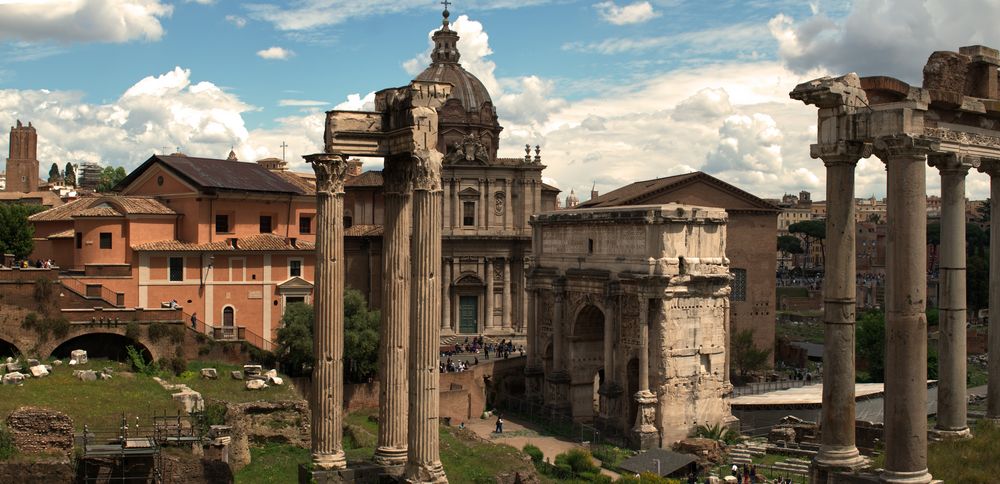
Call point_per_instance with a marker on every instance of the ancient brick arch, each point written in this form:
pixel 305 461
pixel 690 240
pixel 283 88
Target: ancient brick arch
pixel 28 342
pixel 108 343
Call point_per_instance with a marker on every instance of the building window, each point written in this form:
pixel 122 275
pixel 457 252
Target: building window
pixel 305 224
pixel 265 224
pixel 294 267
pixel 739 288
pixel 79 240
pixel 222 224
pixel 469 214
pixel 105 240
pixel 176 269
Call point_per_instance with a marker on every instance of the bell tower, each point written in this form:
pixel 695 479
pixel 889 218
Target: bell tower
pixel 22 164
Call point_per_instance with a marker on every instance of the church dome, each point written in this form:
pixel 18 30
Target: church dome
pixel 468 89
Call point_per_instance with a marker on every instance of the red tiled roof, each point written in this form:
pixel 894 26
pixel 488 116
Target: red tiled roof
pixel 636 193
pixel 65 234
pixel 305 181
pixel 364 231
pixel 210 175
pixel 103 206
pixel 254 243
pixel 103 211
pixel 63 212
pixel 370 178
pixel 47 198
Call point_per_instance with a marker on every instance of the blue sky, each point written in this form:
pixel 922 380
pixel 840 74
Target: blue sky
pixel 614 91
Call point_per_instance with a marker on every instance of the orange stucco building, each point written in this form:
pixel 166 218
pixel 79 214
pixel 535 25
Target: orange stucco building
pixel 231 242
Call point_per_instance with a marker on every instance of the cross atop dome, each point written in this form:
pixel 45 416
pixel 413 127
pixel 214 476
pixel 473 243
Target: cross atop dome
pixel 445 41
pixel 445 14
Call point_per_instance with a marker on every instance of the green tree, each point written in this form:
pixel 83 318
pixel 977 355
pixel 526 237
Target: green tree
pixel 977 246
pixel 295 339
pixel 811 231
pixel 746 356
pixel 15 231
pixel 870 344
pixel 789 244
pixel 110 177
pixel 69 175
pixel 55 175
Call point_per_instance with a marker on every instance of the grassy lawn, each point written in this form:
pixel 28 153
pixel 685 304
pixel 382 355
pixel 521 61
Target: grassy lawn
pixel 227 389
pixel 273 464
pixel 800 331
pixel 973 460
pixel 98 404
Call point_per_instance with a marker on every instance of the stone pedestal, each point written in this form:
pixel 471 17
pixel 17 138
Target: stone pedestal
pixel 645 434
pixel 557 393
pixel 361 473
pixel 328 341
pixel 394 335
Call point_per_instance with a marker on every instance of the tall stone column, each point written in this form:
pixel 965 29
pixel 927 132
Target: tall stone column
pixel 533 370
pixel 952 397
pixel 446 295
pixel 644 432
pixel 508 307
pixel 508 214
pixel 446 204
pixel 837 448
pixel 906 321
pixel 488 298
pixel 993 344
pixel 394 338
pixel 328 341
pixel 524 297
pixel 423 457
pixel 558 381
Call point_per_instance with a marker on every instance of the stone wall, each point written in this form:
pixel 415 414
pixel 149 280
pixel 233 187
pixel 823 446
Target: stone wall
pixel 39 430
pixel 286 422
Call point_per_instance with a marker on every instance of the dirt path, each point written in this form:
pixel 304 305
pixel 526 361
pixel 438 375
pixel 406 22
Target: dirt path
pixel 516 434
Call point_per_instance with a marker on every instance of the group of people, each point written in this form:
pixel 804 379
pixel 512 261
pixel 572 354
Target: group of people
pixel 478 344
pixel 456 366
pixel 37 264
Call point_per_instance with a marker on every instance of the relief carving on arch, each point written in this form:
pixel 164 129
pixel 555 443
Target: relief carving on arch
pixel 630 320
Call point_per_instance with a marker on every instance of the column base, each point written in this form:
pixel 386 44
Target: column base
pixel 392 460
pixel 944 435
pixel 839 458
pixel 915 477
pixel 557 392
pixel 432 473
pixel 645 435
pixel 357 474
pixel 329 462
pixel 533 380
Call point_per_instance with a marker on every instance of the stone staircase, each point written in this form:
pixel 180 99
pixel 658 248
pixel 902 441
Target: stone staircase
pixel 796 466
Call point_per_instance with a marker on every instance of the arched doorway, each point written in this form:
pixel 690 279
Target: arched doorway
pixel 587 362
pixel 468 297
pixel 228 322
pixel 102 345
pixel 8 349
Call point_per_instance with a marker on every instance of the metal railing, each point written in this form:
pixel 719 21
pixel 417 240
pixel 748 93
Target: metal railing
pixel 773 386
pixel 227 333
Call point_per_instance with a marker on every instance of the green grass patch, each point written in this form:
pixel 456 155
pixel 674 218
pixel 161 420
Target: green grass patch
pixel 973 460
pixel 227 389
pixel 800 331
pixel 273 463
pixel 99 404
pixel 470 460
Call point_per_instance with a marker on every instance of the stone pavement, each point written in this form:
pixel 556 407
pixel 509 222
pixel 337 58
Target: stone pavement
pixel 516 434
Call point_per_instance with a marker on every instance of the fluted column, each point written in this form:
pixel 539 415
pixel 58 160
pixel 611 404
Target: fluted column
pixel 508 214
pixel 524 297
pixel 952 396
pixel 644 432
pixel 992 168
pixel 488 298
pixel 328 333
pixel 446 296
pixel 558 381
pixel 837 445
pixel 423 458
pixel 394 338
pixel 906 321
pixel 507 306
pixel 446 205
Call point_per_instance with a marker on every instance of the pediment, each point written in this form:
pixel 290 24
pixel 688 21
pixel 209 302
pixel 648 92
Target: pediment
pixel 295 283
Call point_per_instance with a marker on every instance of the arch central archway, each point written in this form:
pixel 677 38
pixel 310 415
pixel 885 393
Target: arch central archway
pixel 586 349
pixel 102 345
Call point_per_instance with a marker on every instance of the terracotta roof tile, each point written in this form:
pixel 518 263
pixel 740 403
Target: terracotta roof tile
pixel 364 231
pixel 210 175
pixel 370 178
pixel 47 198
pixel 254 243
pixel 63 212
pixel 65 234
pixel 638 192
pixel 99 211
pixel 92 207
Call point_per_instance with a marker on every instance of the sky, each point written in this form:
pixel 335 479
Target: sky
pixel 613 91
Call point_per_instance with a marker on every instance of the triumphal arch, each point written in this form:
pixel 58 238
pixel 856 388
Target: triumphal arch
pixel 631 312
pixel 952 123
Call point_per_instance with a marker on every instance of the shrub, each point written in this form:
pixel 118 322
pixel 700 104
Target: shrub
pixel 579 461
pixel 611 456
pixel 534 452
pixel 645 478
pixel 43 326
pixel 178 365
pixel 158 330
pixel 7 447
pixel 214 414
pixel 132 331
pixel 43 290
pixel 138 363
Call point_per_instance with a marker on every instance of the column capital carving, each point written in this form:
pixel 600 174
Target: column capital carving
pixel 954 163
pixel 841 152
pixel 397 176
pixel 990 167
pixel 905 146
pixel 331 172
pixel 427 170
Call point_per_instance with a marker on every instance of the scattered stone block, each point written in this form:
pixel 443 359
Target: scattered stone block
pixel 79 355
pixel 10 359
pixel 190 400
pixel 256 384
pixel 271 373
pixel 104 376
pixel 275 380
pixel 57 363
pixel 31 362
pixel 781 434
pixel 13 366
pixel 253 370
pixel 86 375
pixel 13 378
pixel 38 371
pixel 48 368
pixel 236 374
pixel 209 373
pixel 72 362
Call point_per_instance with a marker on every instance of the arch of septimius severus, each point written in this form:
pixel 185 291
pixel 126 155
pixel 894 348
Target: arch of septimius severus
pixel 952 123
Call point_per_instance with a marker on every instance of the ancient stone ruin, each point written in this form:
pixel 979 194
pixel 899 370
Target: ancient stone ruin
pixel 952 123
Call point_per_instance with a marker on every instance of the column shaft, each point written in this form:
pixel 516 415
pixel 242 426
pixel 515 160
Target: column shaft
pixel 609 343
pixel 952 395
pixel 488 298
pixel 424 462
pixel 906 323
pixel 507 306
pixel 644 344
pixel 558 340
pixel 395 328
pixel 446 296
pixel 524 299
pixel 837 447
pixel 993 344
pixel 328 339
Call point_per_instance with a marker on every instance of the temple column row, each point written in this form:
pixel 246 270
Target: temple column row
pixel 993 344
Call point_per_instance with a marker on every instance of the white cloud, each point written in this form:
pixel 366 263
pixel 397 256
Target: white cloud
pixel 355 102
pixel 731 38
pixel 275 53
pixel 707 104
pixel 632 13
pixel 83 20
pixel 157 114
pixel 303 103
pixel 236 20
pixel 885 37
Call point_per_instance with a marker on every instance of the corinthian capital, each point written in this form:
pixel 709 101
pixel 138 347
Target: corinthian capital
pixel 953 162
pixel 990 167
pixel 397 176
pixel 331 172
pixel 841 152
pixel 904 146
pixel 427 170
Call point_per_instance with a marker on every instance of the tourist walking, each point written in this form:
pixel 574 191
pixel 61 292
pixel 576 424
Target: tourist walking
pixel 499 428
